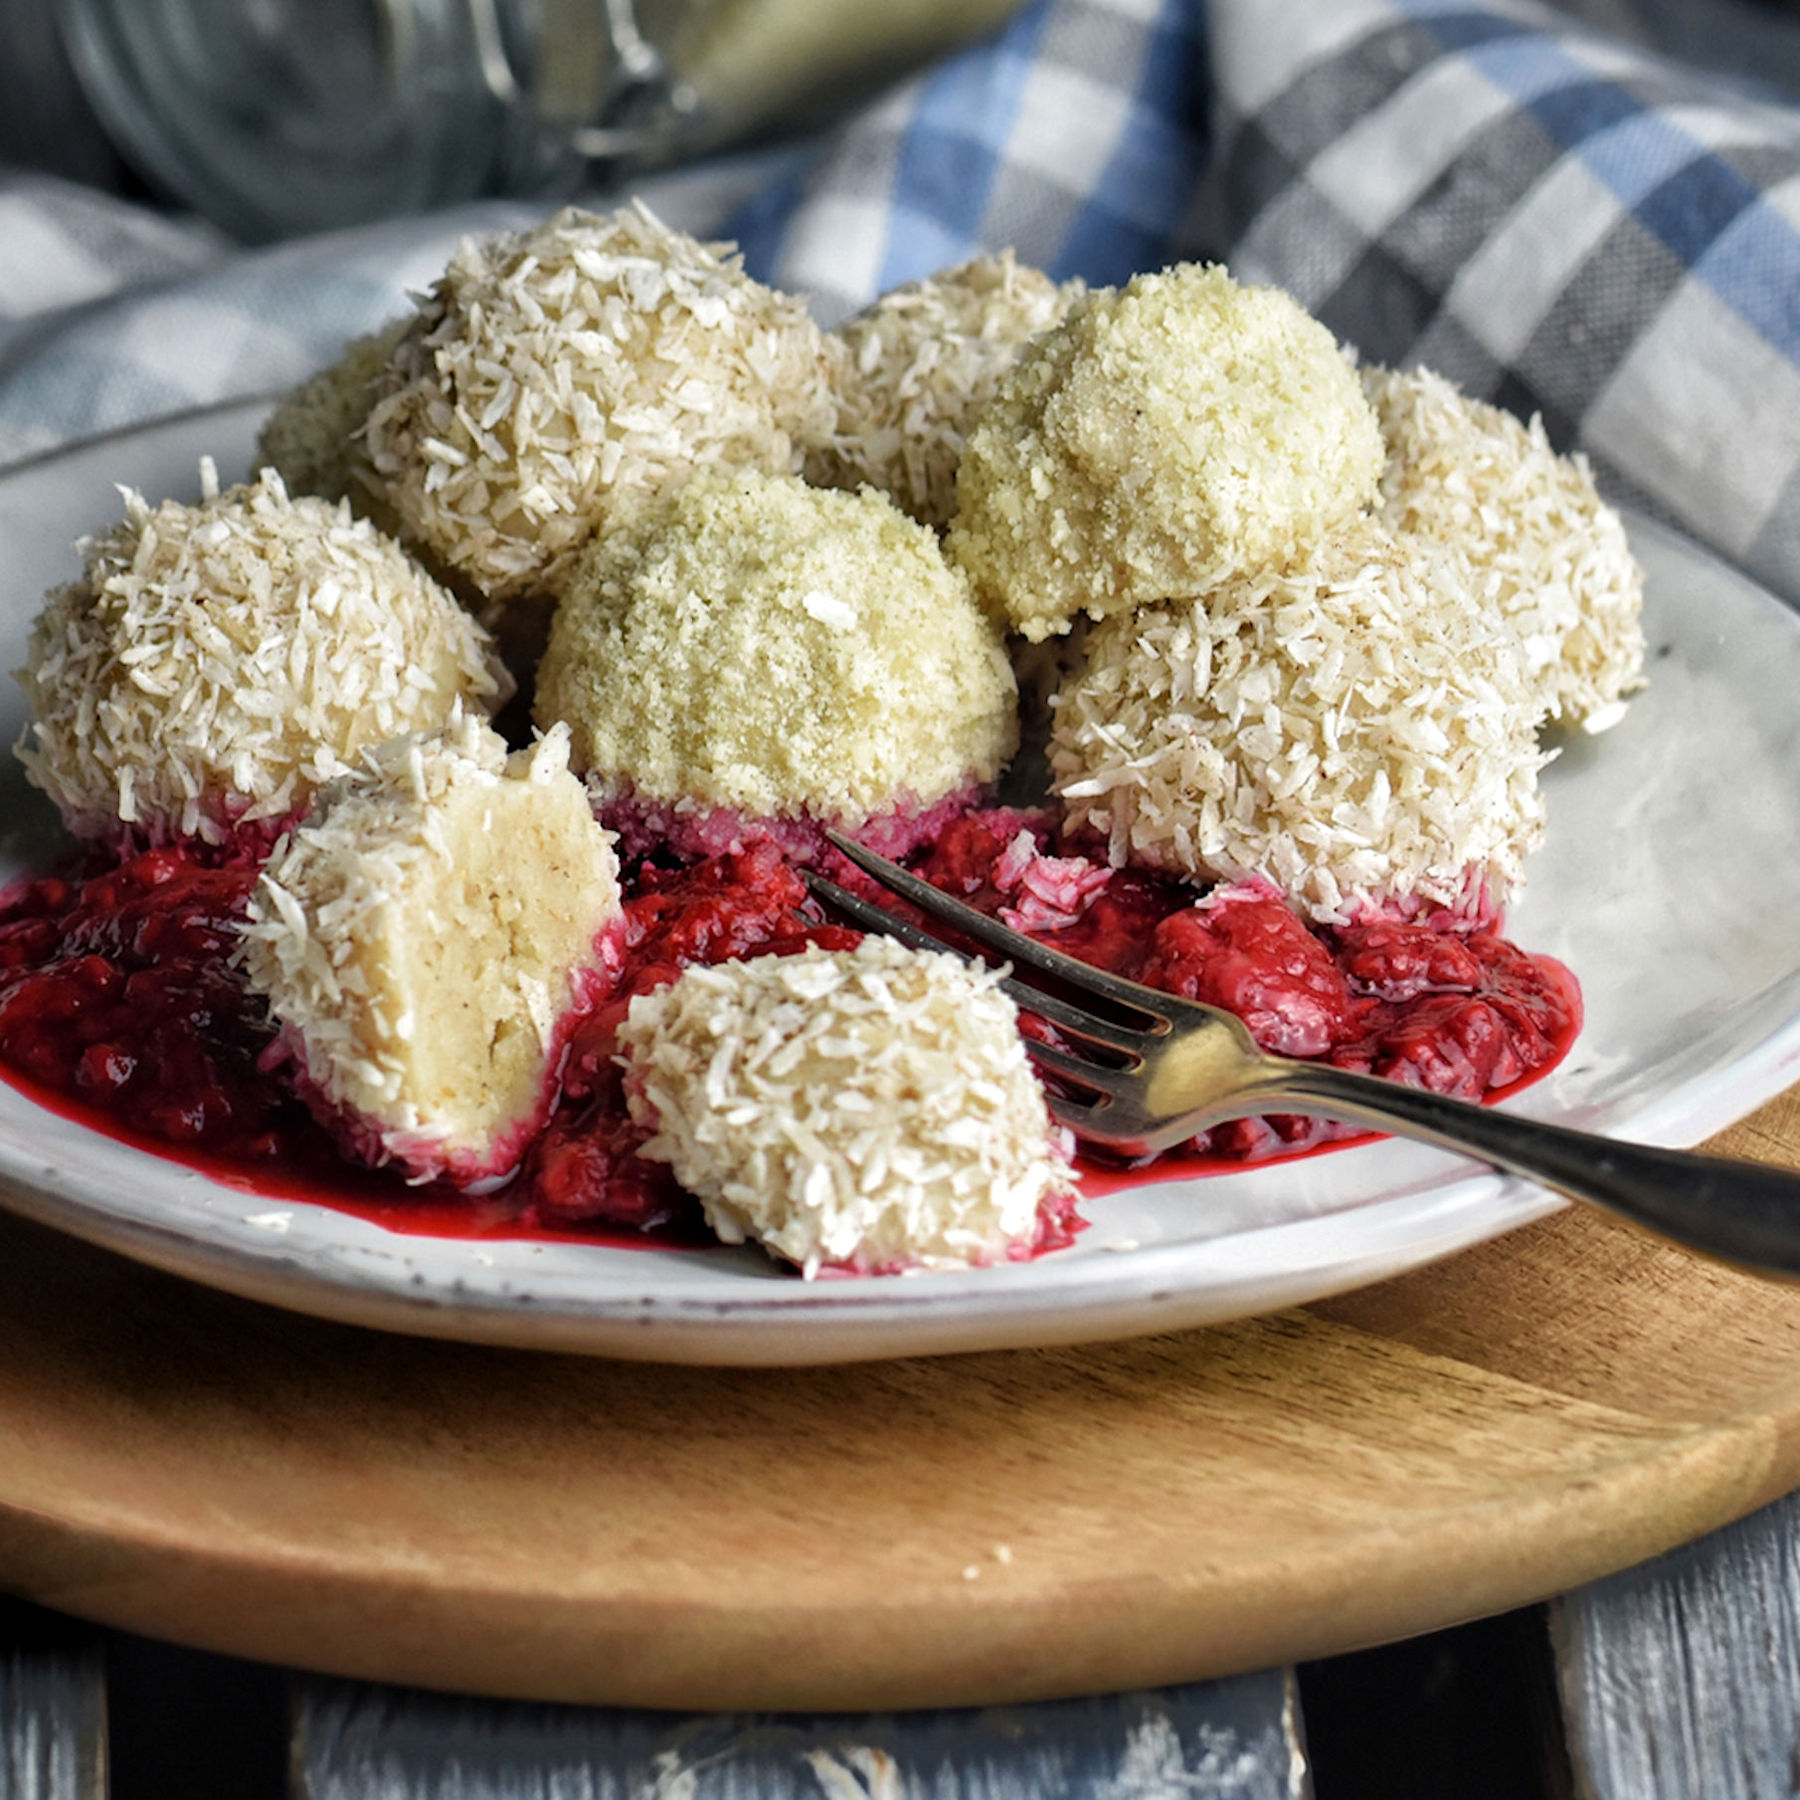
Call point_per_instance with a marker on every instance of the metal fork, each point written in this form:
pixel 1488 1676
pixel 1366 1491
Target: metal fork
pixel 1162 1068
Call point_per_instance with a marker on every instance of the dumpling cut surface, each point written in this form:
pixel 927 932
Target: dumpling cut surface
pixel 869 1109
pixel 1165 436
pixel 427 939
pixel 1360 731
pixel 780 652
pixel 558 378
pixel 1541 544
pixel 921 361
pixel 217 663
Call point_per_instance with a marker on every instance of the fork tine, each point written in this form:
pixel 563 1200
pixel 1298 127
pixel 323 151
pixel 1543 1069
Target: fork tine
pixel 1013 945
pixel 1059 1012
pixel 1114 1124
pixel 1107 1083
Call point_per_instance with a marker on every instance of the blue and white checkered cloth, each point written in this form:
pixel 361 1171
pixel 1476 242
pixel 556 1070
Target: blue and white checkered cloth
pixel 1561 221
pixel 1556 222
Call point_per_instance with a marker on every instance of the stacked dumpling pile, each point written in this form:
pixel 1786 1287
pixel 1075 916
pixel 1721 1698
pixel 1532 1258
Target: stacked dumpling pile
pixel 1333 611
pixel 606 419
pixel 760 579
pixel 760 657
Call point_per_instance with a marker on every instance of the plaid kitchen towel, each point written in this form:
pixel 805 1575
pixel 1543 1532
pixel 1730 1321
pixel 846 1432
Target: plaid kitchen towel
pixel 1560 220
pixel 983 155
pixel 1555 221
pixel 1077 138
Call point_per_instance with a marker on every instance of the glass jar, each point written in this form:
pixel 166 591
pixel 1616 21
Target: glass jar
pixel 277 116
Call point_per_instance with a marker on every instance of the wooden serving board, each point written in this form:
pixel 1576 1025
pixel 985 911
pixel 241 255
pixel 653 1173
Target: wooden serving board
pixel 1523 1418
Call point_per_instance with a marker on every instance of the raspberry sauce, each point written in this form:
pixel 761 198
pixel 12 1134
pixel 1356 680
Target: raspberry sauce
pixel 120 1005
pixel 1467 1014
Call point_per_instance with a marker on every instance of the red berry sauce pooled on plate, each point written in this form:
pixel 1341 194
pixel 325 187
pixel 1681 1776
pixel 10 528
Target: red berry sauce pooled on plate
pixel 118 994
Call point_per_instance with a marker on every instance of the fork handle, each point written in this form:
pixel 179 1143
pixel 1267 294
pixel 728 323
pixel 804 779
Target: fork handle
pixel 1743 1212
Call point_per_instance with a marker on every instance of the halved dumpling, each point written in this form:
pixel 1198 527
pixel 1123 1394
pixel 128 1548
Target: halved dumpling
pixel 427 941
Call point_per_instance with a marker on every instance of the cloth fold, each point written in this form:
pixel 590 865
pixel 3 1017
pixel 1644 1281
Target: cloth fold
pixel 1562 221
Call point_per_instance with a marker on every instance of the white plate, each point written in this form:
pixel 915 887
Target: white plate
pixel 1668 885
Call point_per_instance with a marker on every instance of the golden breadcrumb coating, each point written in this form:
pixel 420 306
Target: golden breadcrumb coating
pixel 921 361
pixel 420 937
pixel 1358 730
pixel 556 379
pixel 870 1109
pixel 1164 437
pixel 1542 546
pixel 778 649
pixel 217 663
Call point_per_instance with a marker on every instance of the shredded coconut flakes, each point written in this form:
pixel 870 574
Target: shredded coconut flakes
pixel 217 663
pixel 869 1109
pixel 1541 546
pixel 444 879
pixel 556 379
pixel 313 438
pixel 919 364
pixel 1359 731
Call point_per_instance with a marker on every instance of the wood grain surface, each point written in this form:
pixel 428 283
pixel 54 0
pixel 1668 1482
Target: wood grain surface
pixel 1543 1410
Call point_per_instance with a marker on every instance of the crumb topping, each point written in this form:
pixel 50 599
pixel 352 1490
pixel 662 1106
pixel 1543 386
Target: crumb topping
pixel 777 649
pixel 1165 436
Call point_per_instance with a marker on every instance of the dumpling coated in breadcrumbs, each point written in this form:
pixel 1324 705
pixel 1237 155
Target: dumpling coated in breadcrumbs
pixel 1165 436
pixel 761 658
